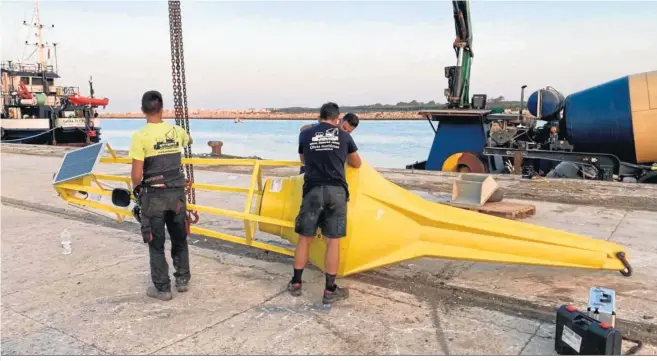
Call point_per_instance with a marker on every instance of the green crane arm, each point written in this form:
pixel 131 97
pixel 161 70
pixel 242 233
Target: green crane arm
pixel 458 93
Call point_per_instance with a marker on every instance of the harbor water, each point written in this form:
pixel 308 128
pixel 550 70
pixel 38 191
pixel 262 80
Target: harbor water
pixel 391 144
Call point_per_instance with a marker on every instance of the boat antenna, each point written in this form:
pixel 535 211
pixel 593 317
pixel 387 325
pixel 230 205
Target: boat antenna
pixel 91 87
pixel 54 45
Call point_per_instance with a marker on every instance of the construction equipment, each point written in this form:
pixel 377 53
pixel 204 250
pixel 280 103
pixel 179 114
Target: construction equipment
pixel 458 92
pixel 607 132
pixel 386 224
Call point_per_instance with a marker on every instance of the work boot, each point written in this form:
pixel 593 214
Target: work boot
pixel 337 295
pixel 160 295
pixel 294 289
pixel 182 285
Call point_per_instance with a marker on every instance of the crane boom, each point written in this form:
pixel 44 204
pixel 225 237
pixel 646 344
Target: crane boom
pixel 458 92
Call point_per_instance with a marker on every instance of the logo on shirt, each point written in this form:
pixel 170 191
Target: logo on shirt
pixel 327 140
pixel 167 142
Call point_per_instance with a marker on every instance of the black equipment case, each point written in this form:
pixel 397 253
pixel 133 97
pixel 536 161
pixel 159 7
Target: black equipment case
pixel 579 334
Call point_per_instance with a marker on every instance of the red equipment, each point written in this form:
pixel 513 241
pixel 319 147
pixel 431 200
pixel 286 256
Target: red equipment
pixel 23 92
pixel 80 100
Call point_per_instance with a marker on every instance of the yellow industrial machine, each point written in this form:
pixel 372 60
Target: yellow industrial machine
pixel 386 224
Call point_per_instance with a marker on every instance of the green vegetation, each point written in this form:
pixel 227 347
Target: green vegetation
pixel 498 102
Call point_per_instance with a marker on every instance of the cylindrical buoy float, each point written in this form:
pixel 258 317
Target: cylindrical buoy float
pixel 552 103
pixel 617 117
pixel 32 101
pixel 41 98
pixel 36 100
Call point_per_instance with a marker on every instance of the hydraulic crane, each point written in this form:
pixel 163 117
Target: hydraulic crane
pixel 605 132
pixel 458 91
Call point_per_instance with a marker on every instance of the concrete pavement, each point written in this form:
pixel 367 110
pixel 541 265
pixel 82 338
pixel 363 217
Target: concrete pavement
pixel 92 301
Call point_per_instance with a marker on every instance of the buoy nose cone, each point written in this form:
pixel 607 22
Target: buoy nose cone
pixel 387 224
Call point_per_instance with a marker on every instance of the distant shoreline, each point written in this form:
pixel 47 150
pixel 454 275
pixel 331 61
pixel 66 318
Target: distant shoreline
pixel 211 115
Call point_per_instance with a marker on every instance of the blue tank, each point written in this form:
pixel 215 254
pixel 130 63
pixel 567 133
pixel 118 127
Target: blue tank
pixel 610 118
pixel 553 102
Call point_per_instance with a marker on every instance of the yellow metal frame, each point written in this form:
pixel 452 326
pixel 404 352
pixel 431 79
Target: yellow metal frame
pixel 91 184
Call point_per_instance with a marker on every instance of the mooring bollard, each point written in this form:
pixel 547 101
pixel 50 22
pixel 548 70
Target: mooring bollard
pixel 216 146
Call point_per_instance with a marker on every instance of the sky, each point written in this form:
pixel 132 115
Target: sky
pixel 248 54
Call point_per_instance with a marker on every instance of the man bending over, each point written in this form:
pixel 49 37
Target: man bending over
pixel 324 148
pixel 349 122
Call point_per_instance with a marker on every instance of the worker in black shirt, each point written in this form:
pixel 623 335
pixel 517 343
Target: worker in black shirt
pixel 324 148
pixel 348 123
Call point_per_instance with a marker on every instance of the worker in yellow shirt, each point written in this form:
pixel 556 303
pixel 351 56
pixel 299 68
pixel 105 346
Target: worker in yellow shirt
pixel 159 184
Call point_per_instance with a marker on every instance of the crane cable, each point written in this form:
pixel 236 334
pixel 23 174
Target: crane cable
pixel 180 94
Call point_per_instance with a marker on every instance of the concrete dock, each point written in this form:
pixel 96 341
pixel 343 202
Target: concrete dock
pixel 93 301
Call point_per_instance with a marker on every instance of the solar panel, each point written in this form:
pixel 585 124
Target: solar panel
pixel 78 163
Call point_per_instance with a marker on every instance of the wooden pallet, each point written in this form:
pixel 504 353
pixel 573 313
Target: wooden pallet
pixel 501 209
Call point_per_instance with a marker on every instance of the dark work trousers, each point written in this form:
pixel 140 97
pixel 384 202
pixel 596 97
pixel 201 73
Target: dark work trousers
pixel 162 207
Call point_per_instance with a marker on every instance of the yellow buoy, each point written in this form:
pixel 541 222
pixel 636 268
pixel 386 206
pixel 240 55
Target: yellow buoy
pixel 386 224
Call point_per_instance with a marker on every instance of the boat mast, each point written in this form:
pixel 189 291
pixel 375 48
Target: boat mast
pixel 41 46
pixel 42 58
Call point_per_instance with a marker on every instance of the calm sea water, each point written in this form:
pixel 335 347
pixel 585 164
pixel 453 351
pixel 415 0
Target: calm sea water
pixel 392 144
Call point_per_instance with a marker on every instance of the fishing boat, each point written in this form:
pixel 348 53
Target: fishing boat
pixel 35 110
